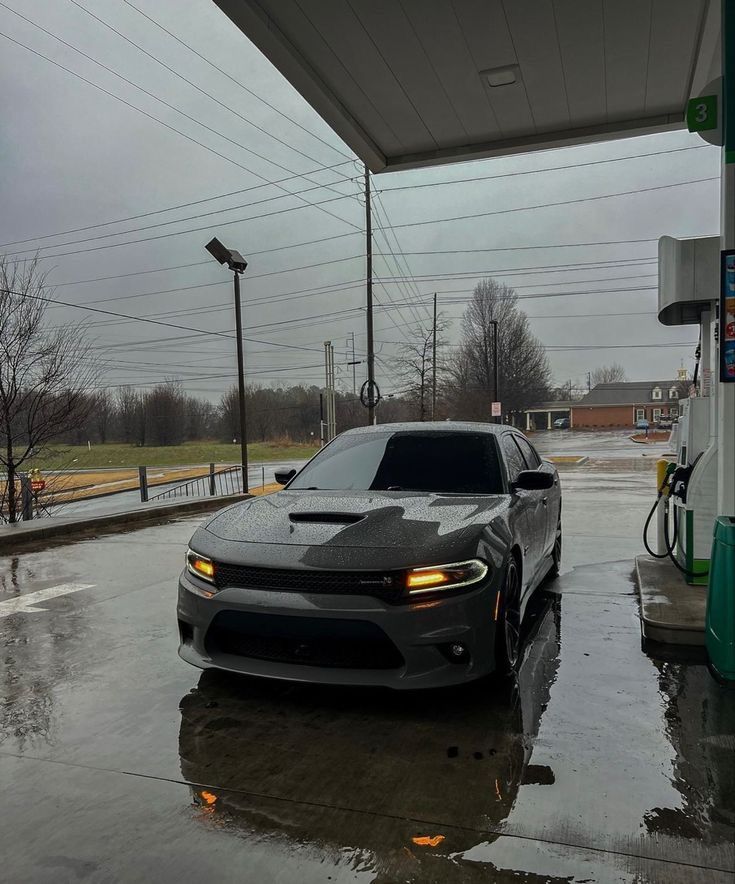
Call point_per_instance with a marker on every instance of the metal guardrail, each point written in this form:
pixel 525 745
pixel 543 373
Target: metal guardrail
pixel 215 483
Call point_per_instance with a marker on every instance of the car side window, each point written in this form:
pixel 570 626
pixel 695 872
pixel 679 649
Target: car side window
pixel 529 453
pixel 514 462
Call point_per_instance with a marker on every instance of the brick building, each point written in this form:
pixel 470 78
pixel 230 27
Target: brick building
pixel 621 404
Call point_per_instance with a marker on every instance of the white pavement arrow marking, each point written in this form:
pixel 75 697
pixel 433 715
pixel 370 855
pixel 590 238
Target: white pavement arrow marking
pixel 29 601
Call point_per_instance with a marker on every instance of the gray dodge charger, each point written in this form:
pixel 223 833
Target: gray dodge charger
pixel 401 555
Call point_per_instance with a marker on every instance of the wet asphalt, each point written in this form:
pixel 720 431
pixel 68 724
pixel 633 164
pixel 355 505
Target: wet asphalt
pixel 119 762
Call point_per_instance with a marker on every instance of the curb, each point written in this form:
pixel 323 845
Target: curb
pixel 25 534
pixel 672 616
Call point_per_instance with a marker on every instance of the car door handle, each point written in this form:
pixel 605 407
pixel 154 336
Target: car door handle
pixel 545 501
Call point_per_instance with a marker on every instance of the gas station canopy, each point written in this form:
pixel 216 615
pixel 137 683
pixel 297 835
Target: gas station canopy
pixel 411 83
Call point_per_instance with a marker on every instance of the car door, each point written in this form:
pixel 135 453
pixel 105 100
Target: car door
pixel 531 523
pixel 551 500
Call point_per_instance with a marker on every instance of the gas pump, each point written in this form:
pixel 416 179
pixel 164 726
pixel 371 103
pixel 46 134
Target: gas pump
pixel 688 292
pixel 694 490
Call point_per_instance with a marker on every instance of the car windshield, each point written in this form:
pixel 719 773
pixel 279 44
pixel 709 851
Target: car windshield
pixel 441 462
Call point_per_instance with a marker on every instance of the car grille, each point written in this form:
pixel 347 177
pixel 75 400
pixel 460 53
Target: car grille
pixel 385 585
pixel 306 641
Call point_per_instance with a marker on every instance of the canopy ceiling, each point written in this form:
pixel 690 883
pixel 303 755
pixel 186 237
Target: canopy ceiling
pixel 407 83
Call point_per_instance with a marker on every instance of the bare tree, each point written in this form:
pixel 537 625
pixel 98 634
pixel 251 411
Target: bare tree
pixel 608 374
pixel 127 402
pixel 165 413
pixel 102 412
pixel 523 368
pixel 415 364
pixel 45 372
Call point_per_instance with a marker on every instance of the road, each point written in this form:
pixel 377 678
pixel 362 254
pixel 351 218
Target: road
pixel 600 444
pixel 119 762
pixel 612 445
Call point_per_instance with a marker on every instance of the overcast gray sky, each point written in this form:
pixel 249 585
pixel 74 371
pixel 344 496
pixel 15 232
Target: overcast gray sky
pixel 74 157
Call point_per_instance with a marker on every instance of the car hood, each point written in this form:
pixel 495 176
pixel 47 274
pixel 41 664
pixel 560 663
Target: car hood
pixel 356 520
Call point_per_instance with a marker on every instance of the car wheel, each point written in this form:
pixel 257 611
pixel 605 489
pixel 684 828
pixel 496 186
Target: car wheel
pixel 508 626
pixel 556 552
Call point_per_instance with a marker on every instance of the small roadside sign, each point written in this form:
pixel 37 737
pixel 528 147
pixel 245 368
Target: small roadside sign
pixel 496 409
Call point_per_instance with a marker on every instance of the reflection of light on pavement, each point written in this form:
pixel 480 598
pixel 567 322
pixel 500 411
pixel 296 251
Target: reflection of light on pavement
pixel 208 800
pixel 428 840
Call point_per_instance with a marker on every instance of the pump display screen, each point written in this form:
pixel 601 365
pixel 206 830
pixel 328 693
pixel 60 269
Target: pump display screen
pixel 727 318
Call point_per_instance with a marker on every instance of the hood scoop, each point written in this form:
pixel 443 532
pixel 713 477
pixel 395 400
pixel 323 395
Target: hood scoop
pixel 313 518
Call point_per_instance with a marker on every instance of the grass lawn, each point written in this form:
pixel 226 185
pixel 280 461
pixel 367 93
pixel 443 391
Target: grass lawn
pixel 79 457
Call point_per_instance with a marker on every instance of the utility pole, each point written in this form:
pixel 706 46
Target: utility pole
pixel 589 381
pixel 354 366
pixel 494 323
pixel 329 389
pixel 433 368
pixel 369 305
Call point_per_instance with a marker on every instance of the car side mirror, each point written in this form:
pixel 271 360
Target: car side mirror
pixel 533 480
pixel 283 477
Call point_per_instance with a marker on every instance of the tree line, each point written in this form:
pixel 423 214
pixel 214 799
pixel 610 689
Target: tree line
pixel 52 381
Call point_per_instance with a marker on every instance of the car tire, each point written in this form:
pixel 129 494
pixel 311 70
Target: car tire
pixel 556 552
pixel 508 626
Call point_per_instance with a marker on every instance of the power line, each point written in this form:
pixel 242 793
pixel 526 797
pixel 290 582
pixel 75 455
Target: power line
pixel 207 227
pixel 208 95
pixel 198 202
pixel 195 264
pixel 149 320
pixel 100 236
pixel 157 120
pixel 573 168
pixel 585 199
pixel 237 82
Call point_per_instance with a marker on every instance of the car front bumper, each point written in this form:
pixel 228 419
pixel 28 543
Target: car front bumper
pixel 419 635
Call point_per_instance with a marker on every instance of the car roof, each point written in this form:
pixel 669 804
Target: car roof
pixel 433 427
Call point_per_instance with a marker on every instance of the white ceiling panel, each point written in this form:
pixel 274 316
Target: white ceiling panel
pixel 486 32
pixel 404 81
pixel 627 35
pixel 675 33
pixel 533 30
pixel 346 41
pixel 581 34
pixel 445 47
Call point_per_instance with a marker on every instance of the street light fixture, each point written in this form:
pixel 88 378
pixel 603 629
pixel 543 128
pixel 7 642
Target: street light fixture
pixel 237 264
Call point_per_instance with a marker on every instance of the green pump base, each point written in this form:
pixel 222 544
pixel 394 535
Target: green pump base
pixel 720 621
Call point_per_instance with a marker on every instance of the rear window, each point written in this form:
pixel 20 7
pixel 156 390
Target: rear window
pixel 448 463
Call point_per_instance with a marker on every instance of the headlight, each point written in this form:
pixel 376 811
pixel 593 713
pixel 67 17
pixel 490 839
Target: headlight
pixel 439 577
pixel 200 566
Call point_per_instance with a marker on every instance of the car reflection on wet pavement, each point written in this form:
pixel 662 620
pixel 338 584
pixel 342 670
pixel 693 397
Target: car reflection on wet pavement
pixel 425 770
pixel 120 763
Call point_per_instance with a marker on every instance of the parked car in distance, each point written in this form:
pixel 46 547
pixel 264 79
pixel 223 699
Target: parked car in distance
pixel 561 423
pixel 665 423
pixel 642 425
pixel 401 556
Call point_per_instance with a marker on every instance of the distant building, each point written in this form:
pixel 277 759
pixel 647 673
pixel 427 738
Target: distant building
pixel 621 404
pixel 543 415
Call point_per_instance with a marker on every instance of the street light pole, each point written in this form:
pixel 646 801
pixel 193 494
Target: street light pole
pixel 494 324
pixel 241 384
pixel 237 264
pixel 369 304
